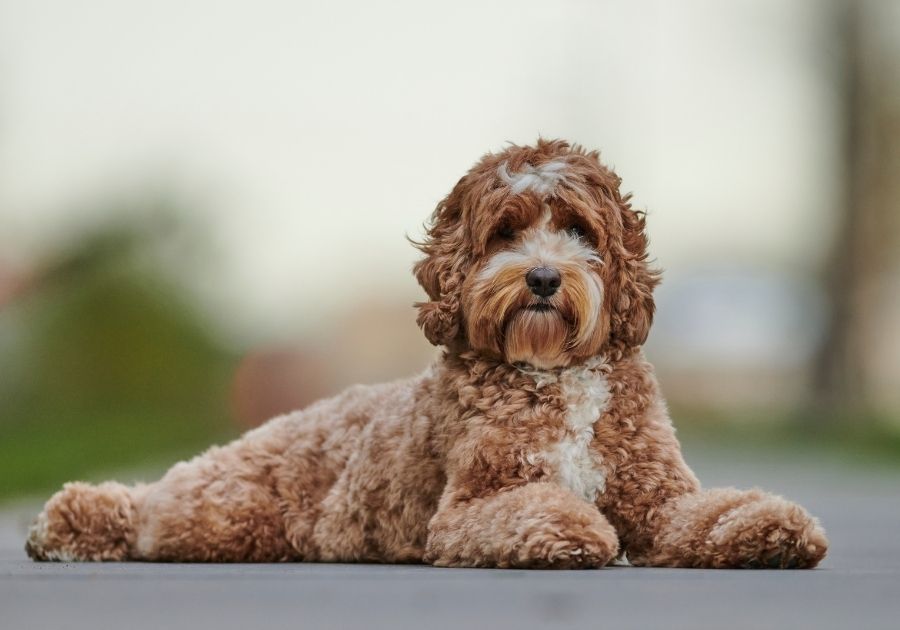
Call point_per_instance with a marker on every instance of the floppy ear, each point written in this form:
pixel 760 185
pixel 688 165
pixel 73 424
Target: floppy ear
pixel 632 307
pixel 441 274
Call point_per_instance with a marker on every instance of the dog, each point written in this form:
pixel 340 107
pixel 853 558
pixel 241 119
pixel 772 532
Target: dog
pixel 538 439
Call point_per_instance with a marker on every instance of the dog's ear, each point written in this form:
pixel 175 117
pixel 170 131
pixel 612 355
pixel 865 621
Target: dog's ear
pixel 633 280
pixel 440 273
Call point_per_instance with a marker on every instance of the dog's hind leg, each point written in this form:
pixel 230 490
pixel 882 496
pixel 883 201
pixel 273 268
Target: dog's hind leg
pixel 236 503
pixel 85 522
pixel 205 510
pixel 222 506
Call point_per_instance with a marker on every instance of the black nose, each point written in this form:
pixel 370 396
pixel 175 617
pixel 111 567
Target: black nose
pixel 543 281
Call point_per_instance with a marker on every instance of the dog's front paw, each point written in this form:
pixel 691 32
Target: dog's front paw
pixel 578 547
pixel 533 526
pixel 769 532
pixel 538 542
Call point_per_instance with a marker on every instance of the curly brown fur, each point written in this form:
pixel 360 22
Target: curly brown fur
pixel 539 439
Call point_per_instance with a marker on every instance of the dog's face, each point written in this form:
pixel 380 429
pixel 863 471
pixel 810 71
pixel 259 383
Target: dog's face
pixel 535 257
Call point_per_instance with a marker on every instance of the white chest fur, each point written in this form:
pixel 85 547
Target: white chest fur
pixel 586 395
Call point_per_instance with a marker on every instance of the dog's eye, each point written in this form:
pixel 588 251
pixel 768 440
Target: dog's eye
pixel 506 232
pixel 576 231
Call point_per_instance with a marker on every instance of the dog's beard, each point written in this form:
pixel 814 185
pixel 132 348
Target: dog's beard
pixel 505 318
pixel 537 337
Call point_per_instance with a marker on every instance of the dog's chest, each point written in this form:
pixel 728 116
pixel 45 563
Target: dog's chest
pixel 574 463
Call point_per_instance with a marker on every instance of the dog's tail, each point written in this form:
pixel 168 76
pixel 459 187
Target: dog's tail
pixel 85 522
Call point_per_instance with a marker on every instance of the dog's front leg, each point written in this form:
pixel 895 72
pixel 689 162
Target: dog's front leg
pixel 534 525
pixel 729 528
pixel 665 519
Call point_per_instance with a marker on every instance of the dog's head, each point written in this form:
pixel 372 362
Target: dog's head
pixel 536 257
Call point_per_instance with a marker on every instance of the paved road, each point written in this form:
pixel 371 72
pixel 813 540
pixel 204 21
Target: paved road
pixel 857 587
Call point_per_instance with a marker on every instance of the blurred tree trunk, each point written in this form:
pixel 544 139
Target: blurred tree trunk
pixel 867 229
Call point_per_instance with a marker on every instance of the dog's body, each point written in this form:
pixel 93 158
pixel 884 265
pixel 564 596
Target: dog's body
pixel 539 439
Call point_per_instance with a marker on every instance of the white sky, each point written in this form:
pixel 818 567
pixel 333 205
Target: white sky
pixel 313 135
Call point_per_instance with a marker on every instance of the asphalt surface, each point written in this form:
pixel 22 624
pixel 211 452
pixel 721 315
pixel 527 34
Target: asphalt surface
pixel 857 586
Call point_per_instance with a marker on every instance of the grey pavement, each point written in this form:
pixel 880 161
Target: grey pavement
pixel 858 585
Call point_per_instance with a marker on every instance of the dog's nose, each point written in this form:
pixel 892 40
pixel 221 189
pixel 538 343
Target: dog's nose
pixel 543 281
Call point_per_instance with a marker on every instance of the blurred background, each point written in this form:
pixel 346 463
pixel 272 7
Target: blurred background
pixel 204 205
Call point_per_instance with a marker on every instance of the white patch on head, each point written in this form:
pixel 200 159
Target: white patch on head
pixel 541 179
pixel 586 393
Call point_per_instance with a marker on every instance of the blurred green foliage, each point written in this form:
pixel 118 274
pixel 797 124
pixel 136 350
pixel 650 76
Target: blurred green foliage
pixel 853 437
pixel 102 365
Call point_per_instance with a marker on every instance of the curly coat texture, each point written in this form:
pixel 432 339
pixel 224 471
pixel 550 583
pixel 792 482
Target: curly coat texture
pixel 538 439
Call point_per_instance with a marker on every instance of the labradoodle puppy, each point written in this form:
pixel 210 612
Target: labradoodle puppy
pixel 539 438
